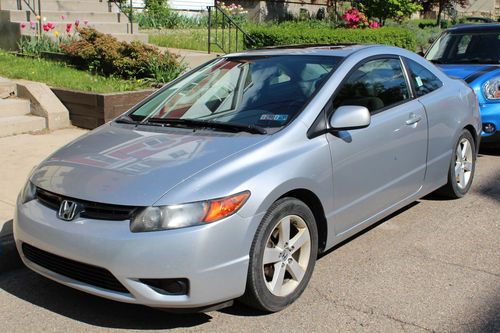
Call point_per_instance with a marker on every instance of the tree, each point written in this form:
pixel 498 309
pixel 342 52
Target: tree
pixel 388 9
pixel 442 5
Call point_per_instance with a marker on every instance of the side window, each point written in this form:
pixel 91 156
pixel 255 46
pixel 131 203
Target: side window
pixel 375 85
pixel 423 79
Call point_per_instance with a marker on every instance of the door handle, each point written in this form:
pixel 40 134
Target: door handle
pixel 413 119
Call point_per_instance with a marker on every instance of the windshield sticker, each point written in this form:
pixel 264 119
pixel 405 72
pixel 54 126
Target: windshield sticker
pixel 419 81
pixel 274 117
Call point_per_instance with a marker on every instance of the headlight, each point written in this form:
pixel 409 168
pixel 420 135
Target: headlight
pixel 186 215
pixel 491 89
pixel 28 193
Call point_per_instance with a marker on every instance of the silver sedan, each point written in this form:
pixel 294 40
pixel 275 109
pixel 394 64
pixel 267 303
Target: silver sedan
pixel 228 182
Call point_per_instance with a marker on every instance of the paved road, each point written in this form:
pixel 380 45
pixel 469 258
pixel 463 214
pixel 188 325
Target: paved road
pixel 434 266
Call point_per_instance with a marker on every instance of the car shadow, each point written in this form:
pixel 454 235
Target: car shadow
pixel 45 293
pixel 487 150
pixel 9 258
pixel 362 232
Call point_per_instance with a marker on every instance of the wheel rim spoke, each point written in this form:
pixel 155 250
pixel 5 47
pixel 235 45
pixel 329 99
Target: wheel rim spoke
pixel 271 255
pixel 461 177
pixel 295 270
pixel 284 232
pixel 458 153
pixel 468 166
pixel 465 149
pixel 278 277
pixel 298 240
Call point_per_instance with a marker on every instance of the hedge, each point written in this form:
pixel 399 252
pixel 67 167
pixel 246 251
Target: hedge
pixel 297 34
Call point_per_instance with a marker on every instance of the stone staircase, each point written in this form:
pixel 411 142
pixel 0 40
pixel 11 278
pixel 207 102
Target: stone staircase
pixel 15 113
pixel 99 14
pixel 27 106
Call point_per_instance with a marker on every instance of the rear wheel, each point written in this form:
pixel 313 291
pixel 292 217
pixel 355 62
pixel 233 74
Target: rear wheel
pixel 282 256
pixel 462 167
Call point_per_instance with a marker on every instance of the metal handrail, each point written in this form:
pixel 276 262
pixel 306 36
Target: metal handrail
pixel 32 8
pixel 213 24
pixel 128 11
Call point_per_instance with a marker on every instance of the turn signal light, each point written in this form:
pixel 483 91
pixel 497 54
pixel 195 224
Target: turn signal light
pixel 220 208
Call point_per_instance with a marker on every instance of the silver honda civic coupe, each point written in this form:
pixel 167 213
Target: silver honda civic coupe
pixel 228 182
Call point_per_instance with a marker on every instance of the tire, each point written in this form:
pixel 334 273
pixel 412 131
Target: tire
pixel 462 167
pixel 288 261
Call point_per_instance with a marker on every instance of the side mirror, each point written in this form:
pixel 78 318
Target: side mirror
pixel 349 117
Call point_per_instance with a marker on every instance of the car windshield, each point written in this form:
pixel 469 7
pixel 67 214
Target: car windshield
pixel 466 48
pixel 263 92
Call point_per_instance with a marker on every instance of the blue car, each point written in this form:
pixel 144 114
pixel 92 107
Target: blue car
pixel 472 53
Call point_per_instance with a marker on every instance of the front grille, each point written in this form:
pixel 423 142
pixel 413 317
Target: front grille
pixel 75 270
pixel 89 209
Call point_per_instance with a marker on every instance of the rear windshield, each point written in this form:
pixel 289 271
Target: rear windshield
pixel 257 91
pixel 466 48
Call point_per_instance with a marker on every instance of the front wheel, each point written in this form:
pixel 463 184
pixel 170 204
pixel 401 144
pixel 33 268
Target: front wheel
pixel 282 256
pixel 462 167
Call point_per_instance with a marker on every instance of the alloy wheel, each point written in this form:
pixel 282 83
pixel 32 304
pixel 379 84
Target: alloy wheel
pixel 286 255
pixel 463 163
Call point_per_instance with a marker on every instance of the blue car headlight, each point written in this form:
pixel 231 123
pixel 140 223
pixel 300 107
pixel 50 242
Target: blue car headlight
pixel 491 89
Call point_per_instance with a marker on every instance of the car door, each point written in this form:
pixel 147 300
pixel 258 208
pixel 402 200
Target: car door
pixel 379 166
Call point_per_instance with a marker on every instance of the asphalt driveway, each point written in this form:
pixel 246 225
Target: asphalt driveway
pixel 434 266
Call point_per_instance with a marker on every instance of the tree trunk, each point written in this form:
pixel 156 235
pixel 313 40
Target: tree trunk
pixel 440 11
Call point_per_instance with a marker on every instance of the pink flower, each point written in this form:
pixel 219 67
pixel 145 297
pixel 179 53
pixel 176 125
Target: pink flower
pixel 45 27
pixel 51 25
pixel 374 25
pixel 85 22
pixel 32 25
pixel 23 25
pixel 77 23
pixel 68 27
pixel 63 17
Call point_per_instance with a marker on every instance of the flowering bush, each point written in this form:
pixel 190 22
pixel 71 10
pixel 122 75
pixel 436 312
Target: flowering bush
pixel 236 12
pixel 50 39
pixel 104 54
pixel 354 19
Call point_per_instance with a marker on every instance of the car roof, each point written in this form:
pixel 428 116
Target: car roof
pixel 487 27
pixel 339 50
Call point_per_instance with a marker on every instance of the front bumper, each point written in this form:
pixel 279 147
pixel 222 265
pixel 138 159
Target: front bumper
pixel 490 114
pixel 214 258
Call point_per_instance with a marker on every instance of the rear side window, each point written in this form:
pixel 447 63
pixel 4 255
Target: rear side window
pixel 377 84
pixel 423 80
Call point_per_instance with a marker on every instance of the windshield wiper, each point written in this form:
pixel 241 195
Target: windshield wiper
pixel 232 127
pixel 126 120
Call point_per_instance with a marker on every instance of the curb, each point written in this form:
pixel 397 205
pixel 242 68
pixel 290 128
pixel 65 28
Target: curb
pixel 9 258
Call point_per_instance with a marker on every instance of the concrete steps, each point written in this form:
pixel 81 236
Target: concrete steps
pixel 12 107
pixel 20 124
pixel 70 16
pixel 61 5
pixel 98 13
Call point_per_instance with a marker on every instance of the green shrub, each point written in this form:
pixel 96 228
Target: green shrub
pixel 299 34
pixel 104 54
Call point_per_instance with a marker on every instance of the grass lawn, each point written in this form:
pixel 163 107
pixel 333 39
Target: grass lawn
pixel 191 39
pixel 61 75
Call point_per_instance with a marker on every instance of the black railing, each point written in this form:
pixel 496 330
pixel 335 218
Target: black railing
pixel 35 8
pixel 224 32
pixel 126 8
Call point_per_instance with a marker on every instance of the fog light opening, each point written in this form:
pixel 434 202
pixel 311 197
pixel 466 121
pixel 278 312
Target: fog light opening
pixel 489 128
pixel 169 287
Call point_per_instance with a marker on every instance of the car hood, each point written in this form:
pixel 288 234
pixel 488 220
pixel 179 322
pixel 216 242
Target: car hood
pixel 468 73
pixel 122 166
